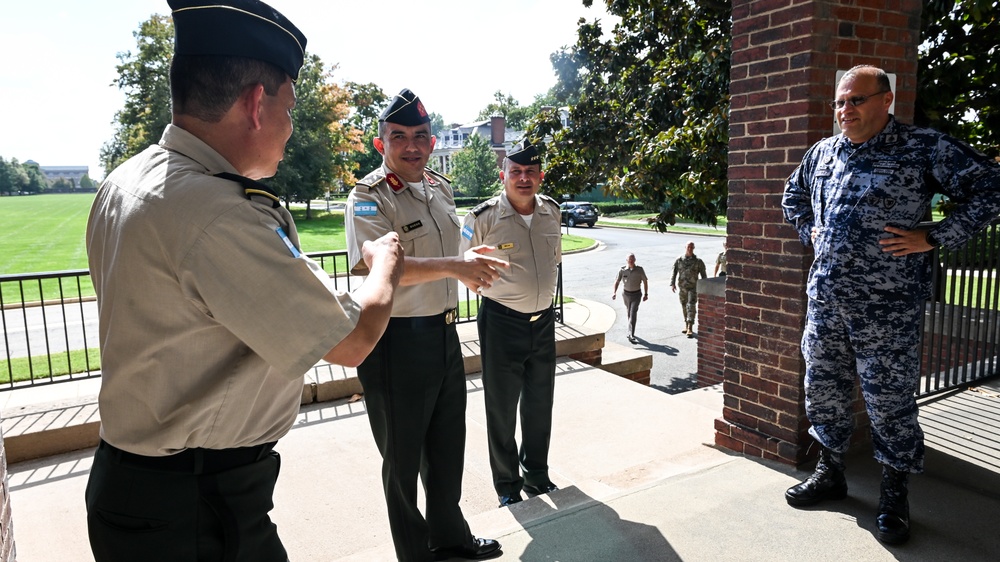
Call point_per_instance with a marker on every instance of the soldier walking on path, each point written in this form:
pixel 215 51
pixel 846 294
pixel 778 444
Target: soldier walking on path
pixel 687 269
pixel 632 276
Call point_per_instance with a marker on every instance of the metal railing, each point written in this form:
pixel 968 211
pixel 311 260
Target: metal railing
pixel 961 336
pixel 50 322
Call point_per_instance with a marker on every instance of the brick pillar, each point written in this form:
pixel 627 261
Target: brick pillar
pixel 785 56
pixel 711 330
pixel 7 551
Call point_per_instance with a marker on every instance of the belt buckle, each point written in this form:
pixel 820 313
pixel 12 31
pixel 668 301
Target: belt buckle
pixel 535 317
pixel 449 316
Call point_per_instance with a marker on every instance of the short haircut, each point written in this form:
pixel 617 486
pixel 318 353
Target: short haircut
pixel 206 86
pixel 881 78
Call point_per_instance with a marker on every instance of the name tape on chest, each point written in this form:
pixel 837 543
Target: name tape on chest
pixel 506 246
pixel 412 226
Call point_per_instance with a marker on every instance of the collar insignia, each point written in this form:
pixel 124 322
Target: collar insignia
pixel 394 182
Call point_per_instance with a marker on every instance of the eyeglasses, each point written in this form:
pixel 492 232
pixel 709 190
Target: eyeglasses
pixel 854 101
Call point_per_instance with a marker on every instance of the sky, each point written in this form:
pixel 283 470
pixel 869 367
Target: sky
pixel 58 58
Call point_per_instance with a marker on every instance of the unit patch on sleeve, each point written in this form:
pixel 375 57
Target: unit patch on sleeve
pixel 288 243
pixel 467 232
pixel 366 209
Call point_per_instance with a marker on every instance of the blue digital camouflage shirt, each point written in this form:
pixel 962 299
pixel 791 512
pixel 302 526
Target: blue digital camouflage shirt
pixel 852 193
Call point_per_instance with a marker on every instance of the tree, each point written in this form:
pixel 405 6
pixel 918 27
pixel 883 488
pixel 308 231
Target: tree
pixel 36 179
pixel 517 117
pixel 86 183
pixel 959 71
pixel 6 181
pixel 474 168
pixel 317 156
pixel 17 177
pixel 367 101
pixel 649 109
pixel 145 79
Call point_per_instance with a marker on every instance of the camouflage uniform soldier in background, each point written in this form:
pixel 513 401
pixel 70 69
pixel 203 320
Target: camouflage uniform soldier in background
pixel 858 199
pixel 687 268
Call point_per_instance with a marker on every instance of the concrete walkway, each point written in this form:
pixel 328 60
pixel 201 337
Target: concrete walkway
pixel 639 475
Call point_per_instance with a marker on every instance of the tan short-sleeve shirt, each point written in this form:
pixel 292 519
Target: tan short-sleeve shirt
pixel 427 227
pixel 209 314
pixel 533 253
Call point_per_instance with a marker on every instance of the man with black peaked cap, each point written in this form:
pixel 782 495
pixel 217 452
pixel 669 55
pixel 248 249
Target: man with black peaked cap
pixel 209 313
pixel 517 323
pixel 414 380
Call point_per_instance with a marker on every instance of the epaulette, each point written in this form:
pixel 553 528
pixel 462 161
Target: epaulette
pixel 548 199
pixel 252 188
pixel 434 174
pixel 374 178
pixel 478 209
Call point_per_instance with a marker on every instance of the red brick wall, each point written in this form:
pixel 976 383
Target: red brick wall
pixel 7 551
pixel 785 57
pixel 711 330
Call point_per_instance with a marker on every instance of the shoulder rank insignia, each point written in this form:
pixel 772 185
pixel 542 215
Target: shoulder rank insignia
pixel 478 209
pixel 430 180
pixel 253 188
pixel 394 182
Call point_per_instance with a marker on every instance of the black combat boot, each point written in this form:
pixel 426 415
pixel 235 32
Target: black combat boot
pixel 893 521
pixel 826 483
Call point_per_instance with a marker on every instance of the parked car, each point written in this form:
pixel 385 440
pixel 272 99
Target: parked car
pixel 578 212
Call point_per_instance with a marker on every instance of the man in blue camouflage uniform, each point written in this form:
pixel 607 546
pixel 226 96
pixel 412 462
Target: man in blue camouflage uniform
pixel 858 198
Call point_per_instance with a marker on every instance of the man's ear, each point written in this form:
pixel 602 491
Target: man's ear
pixel 541 175
pixel 252 102
pixel 501 176
pixel 433 141
pixel 379 145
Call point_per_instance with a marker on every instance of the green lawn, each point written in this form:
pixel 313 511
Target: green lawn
pixel 45 233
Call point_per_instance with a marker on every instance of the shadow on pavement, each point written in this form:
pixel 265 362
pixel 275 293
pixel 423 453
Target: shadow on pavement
pixel 597 531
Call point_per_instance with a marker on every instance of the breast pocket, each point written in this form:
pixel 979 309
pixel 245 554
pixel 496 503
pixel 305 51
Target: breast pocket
pixel 411 238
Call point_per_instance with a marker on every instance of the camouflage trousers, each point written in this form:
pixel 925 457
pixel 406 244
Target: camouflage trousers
pixel 689 302
pixel 878 342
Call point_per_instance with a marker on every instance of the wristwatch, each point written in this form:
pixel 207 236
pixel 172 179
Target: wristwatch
pixel 931 239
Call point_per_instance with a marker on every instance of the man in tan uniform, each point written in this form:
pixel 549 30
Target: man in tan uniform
pixel 517 325
pixel 635 289
pixel 414 380
pixel 209 313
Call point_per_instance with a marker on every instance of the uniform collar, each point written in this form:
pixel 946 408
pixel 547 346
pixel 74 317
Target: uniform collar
pixel 888 135
pixel 181 141
pixel 506 209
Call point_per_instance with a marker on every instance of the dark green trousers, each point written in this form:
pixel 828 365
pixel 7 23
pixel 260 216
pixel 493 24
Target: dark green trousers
pixel 149 515
pixel 414 383
pixel 519 365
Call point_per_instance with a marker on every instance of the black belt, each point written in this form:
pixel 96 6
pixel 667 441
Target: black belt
pixel 192 461
pixel 529 316
pixel 420 322
pixel 632 292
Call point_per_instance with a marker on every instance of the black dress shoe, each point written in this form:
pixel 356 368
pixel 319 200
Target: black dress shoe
pixel 542 489
pixel 509 500
pixel 480 549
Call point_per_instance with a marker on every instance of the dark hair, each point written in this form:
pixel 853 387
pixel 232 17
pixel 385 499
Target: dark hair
pixel 206 86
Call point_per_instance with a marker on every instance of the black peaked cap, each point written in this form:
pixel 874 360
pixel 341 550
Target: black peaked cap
pixel 238 28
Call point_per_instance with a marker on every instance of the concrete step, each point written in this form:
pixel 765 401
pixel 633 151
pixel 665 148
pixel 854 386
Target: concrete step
pixel 628 362
pixel 44 427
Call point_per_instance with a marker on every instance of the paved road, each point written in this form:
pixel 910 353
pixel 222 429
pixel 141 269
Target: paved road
pixel 591 275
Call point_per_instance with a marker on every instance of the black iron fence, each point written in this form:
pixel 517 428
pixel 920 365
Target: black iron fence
pixel 50 322
pixel 961 336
